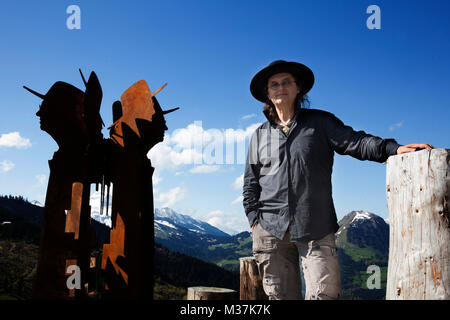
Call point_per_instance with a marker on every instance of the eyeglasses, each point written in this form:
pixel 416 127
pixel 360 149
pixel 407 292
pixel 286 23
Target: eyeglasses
pixel 285 83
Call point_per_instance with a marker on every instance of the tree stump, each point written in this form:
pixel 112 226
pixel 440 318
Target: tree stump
pixel 251 287
pixel 418 186
pixel 210 293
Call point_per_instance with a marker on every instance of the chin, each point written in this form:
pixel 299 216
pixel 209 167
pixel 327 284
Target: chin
pixel 160 138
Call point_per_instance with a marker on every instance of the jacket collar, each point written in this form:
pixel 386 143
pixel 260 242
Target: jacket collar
pixel 272 123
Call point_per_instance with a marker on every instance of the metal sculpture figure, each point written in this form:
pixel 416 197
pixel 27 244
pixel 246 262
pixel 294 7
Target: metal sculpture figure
pixel 72 119
pixel 127 260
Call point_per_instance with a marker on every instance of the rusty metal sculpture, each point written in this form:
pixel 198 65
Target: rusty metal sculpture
pixel 72 118
pixel 128 260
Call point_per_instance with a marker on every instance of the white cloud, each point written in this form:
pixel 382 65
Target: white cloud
pixel 194 146
pixel 186 138
pixel 95 203
pixel 6 165
pixel 249 116
pixel 214 213
pixel 230 222
pixel 164 156
pixel 238 200
pixel 14 139
pixel 240 135
pixel 238 184
pixel 396 126
pixel 171 197
pixel 216 222
pixel 41 179
pixel 204 169
pixel 156 178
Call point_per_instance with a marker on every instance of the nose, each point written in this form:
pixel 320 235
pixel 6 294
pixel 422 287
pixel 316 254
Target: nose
pixel 285 85
pixel 281 87
pixel 41 110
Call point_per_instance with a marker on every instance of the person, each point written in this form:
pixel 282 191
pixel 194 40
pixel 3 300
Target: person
pixel 287 183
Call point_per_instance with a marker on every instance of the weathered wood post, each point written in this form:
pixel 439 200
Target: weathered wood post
pixel 418 186
pixel 211 293
pixel 251 287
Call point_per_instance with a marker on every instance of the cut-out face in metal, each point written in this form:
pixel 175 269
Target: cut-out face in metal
pixel 141 119
pixel 63 116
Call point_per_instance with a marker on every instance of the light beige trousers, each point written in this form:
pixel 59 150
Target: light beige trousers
pixel 278 264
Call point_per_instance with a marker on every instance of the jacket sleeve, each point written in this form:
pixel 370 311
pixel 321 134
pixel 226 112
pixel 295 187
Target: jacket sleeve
pixel 252 188
pixel 358 144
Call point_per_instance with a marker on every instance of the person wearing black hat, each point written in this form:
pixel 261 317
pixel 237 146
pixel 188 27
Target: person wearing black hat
pixel 287 183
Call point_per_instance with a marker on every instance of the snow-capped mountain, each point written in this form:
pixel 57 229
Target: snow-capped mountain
pixel 37 203
pixel 362 241
pixel 364 229
pixel 104 219
pixel 170 218
pixel 196 238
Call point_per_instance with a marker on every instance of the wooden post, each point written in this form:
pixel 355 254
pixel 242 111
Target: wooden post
pixel 210 293
pixel 418 185
pixel 251 287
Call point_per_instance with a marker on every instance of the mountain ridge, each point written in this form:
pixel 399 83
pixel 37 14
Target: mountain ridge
pixel 188 222
pixel 19 245
pixel 362 240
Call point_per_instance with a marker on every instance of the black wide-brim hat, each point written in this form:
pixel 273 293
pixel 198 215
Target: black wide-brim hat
pixel 65 92
pixel 299 71
pixel 60 92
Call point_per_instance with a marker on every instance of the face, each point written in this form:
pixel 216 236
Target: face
pixel 282 89
pixel 158 122
pixel 152 132
pixel 160 126
pixel 63 124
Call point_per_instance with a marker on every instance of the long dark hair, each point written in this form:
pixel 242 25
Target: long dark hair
pixel 301 101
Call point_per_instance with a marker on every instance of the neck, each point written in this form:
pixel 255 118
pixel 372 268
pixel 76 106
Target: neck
pixel 285 113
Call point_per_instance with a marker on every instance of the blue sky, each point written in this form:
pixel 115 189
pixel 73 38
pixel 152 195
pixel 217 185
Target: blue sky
pixel 393 82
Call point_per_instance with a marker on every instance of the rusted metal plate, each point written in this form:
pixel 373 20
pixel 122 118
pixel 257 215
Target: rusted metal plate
pixel 72 118
pixel 115 249
pixel 137 103
pixel 73 215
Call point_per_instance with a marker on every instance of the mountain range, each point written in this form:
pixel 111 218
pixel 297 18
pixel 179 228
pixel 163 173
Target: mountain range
pixel 168 217
pixel 20 223
pixel 362 241
pixel 185 242
pixel 199 239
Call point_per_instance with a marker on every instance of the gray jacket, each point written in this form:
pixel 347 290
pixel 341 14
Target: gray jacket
pixel 287 180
